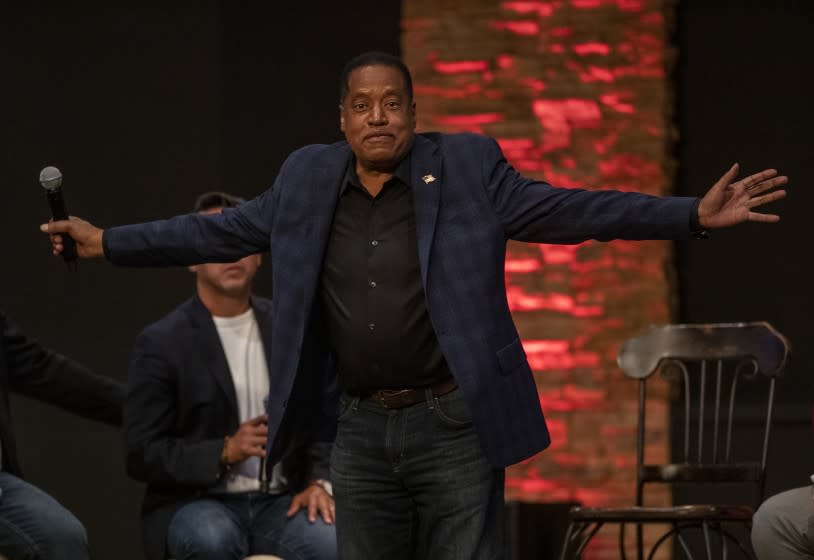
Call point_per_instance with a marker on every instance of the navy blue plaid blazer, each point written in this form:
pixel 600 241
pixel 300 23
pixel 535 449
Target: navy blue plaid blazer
pixel 468 202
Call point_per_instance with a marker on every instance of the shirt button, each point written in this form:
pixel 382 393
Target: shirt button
pixel 374 242
pixel 372 326
pixel 372 283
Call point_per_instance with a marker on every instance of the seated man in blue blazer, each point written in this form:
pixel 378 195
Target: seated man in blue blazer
pixel 195 428
pixel 32 523
pixel 397 241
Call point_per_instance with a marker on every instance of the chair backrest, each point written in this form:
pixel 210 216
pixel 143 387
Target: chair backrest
pixel 711 363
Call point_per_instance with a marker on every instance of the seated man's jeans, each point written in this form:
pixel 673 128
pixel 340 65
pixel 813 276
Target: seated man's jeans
pixel 414 483
pixel 233 526
pixel 34 526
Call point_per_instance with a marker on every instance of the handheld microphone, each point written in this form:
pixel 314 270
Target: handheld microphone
pixel 263 474
pixel 51 181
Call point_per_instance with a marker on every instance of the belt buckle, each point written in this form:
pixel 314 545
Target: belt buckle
pixel 381 399
pixel 383 394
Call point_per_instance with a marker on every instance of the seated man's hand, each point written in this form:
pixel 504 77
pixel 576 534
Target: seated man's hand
pixel 248 441
pixel 317 501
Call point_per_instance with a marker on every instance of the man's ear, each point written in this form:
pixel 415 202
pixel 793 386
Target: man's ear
pixel 341 119
pixel 193 268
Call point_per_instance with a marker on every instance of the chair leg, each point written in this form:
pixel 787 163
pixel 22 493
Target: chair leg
pixel 622 553
pixel 747 553
pixel 707 544
pixel 575 540
pixel 724 549
pixel 639 542
pixel 577 537
pixel 586 540
pixel 676 530
pixel 683 544
pixel 566 545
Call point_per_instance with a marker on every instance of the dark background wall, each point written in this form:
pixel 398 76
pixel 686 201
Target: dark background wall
pixel 744 91
pixel 143 107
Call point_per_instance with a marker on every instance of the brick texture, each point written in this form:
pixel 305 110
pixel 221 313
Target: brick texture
pixel 577 92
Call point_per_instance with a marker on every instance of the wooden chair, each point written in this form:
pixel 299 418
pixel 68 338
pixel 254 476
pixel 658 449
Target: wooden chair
pixel 711 362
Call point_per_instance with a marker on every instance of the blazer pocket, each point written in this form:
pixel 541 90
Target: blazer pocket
pixel 511 357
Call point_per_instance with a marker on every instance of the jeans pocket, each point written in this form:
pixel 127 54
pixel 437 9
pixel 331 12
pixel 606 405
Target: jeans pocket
pixel 452 410
pixel 347 407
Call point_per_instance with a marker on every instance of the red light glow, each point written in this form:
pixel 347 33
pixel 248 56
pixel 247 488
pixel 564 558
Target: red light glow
pixel 460 66
pixel 574 93
pixel 585 49
pixel 518 27
pixel 541 9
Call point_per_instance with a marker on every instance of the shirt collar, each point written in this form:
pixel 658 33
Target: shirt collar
pixel 402 172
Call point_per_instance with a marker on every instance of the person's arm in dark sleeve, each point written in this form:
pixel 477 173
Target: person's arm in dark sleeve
pixel 183 240
pixel 45 375
pixel 535 211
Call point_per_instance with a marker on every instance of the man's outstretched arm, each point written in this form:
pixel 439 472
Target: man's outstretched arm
pixel 182 240
pixel 535 211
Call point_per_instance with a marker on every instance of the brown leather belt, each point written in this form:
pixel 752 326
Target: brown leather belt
pixel 401 398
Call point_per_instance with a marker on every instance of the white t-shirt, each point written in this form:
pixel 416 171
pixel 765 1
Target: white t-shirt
pixel 243 346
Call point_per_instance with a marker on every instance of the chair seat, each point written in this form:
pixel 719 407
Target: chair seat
pixel 663 514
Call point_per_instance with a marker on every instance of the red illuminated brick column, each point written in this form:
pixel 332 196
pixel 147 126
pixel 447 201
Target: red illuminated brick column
pixel 576 93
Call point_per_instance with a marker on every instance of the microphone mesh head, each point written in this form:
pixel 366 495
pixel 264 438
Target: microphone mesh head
pixel 50 178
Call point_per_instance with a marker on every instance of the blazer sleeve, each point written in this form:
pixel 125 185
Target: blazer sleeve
pixel 154 454
pixel 537 212
pixel 193 238
pixel 45 375
pixel 199 238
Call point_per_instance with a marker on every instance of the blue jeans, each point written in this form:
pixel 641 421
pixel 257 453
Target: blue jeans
pixel 414 483
pixel 34 526
pixel 233 526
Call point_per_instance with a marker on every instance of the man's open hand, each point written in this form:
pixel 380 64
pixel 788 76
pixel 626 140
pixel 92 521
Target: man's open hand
pixel 730 202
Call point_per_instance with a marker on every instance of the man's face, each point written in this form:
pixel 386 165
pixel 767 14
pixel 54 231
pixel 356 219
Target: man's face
pixel 377 117
pixel 228 279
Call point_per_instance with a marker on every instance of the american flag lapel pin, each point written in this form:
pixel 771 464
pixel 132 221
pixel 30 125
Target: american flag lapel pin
pixel 428 179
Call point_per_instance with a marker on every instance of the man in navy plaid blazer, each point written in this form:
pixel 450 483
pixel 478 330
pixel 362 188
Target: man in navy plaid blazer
pixel 417 467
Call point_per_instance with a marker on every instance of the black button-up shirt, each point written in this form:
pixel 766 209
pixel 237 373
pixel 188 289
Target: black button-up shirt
pixel 371 285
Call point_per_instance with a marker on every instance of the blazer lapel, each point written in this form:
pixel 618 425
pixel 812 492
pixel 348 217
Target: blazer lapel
pixel 325 185
pixel 297 278
pixel 211 352
pixel 425 176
